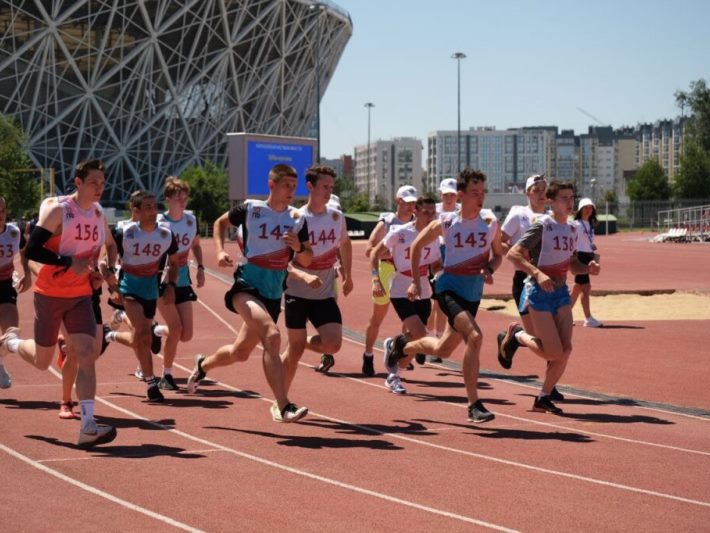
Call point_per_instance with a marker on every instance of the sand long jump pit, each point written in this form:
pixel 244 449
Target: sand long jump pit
pixel 665 305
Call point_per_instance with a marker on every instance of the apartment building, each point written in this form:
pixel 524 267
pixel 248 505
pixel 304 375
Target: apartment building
pixel 507 157
pixel 386 165
pixel 662 141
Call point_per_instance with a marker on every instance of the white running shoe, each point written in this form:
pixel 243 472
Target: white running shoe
pixel 394 384
pixel 276 412
pixel 94 434
pixel 11 333
pixel 5 379
pixel 116 319
pixel 592 322
pixel 293 413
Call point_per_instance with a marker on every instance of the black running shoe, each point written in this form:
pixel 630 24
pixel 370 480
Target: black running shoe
pixel 154 394
pixel 327 362
pixel 167 382
pixel 556 396
pixel 503 362
pixel 368 365
pixel 508 345
pixel 477 413
pixel 400 341
pixel 197 374
pixel 420 358
pixel 104 342
pixel 155 340
pixel 545 405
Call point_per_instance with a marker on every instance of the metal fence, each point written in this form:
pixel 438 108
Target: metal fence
pixel 646 214
pixel 685 224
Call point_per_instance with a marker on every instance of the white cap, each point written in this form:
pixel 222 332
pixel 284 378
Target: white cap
pixel 584 202
pixel 407 193
pixel 532 180
pixel 447 186
pixel 334 202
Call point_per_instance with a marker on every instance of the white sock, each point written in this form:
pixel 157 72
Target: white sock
pixel 13 345
pixel 366 354
pixel 87 412
pixel 161 331
pixel 111 336
pixel 150 381
pixel 518 336
pixel 167 370
pixel 542 394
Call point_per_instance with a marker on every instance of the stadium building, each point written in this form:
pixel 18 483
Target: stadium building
pixel 153 86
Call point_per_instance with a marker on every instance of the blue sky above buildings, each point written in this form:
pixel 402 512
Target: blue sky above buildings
pixel 529 63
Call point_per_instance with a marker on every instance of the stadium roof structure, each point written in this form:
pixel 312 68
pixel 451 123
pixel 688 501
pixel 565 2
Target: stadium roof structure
pixel 153 86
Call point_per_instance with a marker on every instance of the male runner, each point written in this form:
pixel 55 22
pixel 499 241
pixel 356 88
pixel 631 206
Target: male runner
pixel 273 232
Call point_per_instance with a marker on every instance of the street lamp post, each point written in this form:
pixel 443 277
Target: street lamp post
pixel 458 56
pixel 369 106
pixel 317 6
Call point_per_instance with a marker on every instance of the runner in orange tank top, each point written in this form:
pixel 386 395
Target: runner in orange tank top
pixel 66 241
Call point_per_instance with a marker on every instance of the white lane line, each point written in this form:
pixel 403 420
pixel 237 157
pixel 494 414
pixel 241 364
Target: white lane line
pixel 548 424
pixel 481 456
pixel 498 413
pixel 125 456
pixel 316 477
pixel 98 492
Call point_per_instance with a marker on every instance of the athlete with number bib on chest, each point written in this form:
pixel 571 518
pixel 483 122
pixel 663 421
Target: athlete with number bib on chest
pixel 273 233
pixel 310 292
pixel 178 314
pixel 473 252
pixel 67 241
pixel 546 253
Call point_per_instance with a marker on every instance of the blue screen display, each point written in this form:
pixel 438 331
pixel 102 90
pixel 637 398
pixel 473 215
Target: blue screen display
pixel 262 156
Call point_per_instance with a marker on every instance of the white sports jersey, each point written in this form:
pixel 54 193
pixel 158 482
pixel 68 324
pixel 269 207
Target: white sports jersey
pixel 263 243
pixel 519 219
pixel 399 241
pixel 468 242
pixel 585 236
pixel 440 208
pixel 325 232
pixel 9 246
pixel 185 231
pixel 554 244
pixel 142 250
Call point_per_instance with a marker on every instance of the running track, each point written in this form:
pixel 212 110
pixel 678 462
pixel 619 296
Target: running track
pixel 632 452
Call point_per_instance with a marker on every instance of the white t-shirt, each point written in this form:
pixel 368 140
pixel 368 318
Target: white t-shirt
pixel 399 241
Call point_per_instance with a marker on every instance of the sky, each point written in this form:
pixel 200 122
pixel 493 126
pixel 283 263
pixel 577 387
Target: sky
pixel 529 63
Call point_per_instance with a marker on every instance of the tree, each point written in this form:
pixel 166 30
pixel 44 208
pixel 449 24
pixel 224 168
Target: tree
pixel 649 183
pixel 20 190
pixel 693 180
pixel 209 191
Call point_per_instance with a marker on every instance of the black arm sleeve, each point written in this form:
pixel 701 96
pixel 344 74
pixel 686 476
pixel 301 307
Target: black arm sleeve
pixel 118 237
pixel 303 232
pixel 238 215
pixel 37 252
pixel 23 241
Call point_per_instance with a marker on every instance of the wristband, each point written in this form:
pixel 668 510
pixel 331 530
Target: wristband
pixel 490 270
pixel 200 267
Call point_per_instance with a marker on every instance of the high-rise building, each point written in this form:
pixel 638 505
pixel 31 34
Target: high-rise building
pixel 386 166
pixel 507 157
pixel 568 162
pixel 343 166
pixel 662 141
